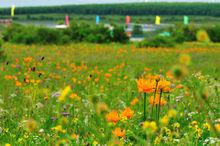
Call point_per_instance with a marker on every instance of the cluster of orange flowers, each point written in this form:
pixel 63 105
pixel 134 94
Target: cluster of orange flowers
pixel 147 86
pixel 17 83
pixel 153 83
pixel 114 117
pixel 31 67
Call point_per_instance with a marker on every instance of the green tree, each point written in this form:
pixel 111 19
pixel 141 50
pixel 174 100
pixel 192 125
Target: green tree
pixel 137 31
pixel 2 54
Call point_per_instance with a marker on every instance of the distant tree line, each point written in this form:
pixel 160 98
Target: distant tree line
pixel 203 9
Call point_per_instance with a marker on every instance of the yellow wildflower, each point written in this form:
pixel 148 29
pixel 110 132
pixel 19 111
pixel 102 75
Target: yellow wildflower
pixel 58 128
pixel 151 127
pixel 202 36
pixel 206 126
pixel 95 143
pixel 172 113
pixel 158 140
pixel 176 125
pixel 165 120
pixel 64 93
pixel 62 142
pixel 194 123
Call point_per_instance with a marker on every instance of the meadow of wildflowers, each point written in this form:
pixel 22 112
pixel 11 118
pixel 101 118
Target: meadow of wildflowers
pixel 87 94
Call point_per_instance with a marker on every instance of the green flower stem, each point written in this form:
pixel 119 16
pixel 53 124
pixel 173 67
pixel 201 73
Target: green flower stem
pixel 145 99
pixel 158 114
pixel 168 100
pixel 152 108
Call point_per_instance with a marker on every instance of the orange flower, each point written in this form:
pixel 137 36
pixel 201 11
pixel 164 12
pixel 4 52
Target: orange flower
pixel 128 113
pixel 13 66
pixel 26 79
pixel 8 77
pixel 74 96
pixel 125 77
pixel 113 117
pixel 180 86
pixel 134 101
pixel 217 127
pixel 164 85
pixel 108 75
pixel 16 60
pixel 119 132
pixel 96 79
pixel 147 69
pixel 18 84
pixel 146 86
pixel 46 98
pixel 185 59
pixel 156 78
pixel 169 74
pixel 101 108
pixel 28 59
pixel 156 101
pixel 74 136
pixel 74 80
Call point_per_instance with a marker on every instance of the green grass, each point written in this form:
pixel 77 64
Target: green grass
pixel 24 110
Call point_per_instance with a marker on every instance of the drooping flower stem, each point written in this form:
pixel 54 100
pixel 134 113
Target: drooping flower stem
pixel 145 99
pixel 158 114
pixel 155 93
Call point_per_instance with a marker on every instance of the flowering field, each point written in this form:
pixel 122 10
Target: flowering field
pixel 86 94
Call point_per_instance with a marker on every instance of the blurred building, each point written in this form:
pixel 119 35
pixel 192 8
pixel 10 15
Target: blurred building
pixel 5 22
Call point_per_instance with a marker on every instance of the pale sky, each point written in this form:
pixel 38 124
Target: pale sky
pixel 8 3
pixel 18 3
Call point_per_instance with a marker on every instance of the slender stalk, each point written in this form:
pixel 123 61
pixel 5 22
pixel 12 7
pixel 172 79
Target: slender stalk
pixel 168 100
pixel 152 108
pixel 145 99
pixel 158 114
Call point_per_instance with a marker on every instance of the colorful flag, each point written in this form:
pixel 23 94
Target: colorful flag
pixel 12 10
pixel 127 20
pixel 185 20
pixel 67 20
pixel 165 34
pixel 112 33
pixel 157 22
pixel 97 19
